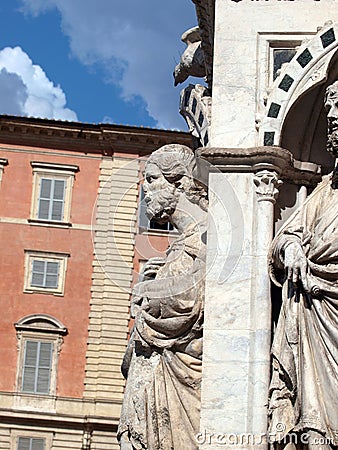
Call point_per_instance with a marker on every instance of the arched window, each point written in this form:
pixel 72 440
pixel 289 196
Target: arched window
pixel 40 337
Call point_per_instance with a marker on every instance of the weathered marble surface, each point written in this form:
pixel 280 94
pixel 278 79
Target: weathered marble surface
pixel 237 314
pixel 304 259
pixel 161 408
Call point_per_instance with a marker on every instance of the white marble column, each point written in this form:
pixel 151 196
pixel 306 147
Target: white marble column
pixel 266 187
pixel 237 331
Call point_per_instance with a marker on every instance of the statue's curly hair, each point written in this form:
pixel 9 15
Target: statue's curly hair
pixel 177 164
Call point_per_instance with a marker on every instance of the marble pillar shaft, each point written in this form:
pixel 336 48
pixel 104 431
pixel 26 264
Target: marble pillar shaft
pixel 237 327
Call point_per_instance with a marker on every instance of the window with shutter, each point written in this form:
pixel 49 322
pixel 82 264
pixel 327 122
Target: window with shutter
pixel 37 367
pixel 40 338
pixel 51 199
pixel 52 192
pixel 30 443
pixel 45 274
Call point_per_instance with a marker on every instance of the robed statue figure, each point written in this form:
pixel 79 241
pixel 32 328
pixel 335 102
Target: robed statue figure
pixel 304 259
pixel 162 364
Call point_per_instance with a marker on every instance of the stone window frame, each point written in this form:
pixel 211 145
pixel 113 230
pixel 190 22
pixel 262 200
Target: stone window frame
pixel 279 45
pixel 40 328
pixel 17 433
pixel 268 42
pixel 52 171
pixel 61 258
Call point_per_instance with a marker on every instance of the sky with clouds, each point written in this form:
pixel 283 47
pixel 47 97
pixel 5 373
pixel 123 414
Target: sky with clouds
pixel 93 60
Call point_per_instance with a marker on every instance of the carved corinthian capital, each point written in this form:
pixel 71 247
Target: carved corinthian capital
pixel 267 185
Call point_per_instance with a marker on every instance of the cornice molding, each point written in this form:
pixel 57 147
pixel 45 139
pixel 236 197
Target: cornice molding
pixel 104 139
pixel 255 159
pixel 54 166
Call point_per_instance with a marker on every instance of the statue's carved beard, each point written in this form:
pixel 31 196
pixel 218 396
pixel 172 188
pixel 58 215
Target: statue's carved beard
pixel 161 204
pixel 332 142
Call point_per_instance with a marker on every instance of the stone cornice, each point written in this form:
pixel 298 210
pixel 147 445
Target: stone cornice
pixel 105 139
pixel 205 10
pixel 262 158
pixel 100 412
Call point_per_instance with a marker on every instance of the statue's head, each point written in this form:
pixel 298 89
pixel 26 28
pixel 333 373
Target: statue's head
pixel 169 173
pixel 331 106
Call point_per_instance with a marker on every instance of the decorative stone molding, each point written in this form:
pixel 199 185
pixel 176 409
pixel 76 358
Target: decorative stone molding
pixel 52 167
pixel 267 184
pixel 307 68
pixel 40 326
pixel 270 158
pixel 103 139
pixel 195 107
pixel 43 323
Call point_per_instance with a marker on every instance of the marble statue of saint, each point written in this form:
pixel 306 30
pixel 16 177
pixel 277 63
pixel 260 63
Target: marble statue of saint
pixel 304 259
pixel 162 364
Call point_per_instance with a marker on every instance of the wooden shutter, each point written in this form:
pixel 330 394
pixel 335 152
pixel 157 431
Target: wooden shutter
pixel 44 198
pixel 37 367
pixel 29 369
pixel 58 200
pixel 38 273
pixel 26 443
pixel 45 274
pixel 44 368
pixel 51 199
pixel 52 274
pixel 38 444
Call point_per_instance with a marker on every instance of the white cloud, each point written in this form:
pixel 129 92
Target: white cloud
pixel 108 120
pixel 138 43
pixel 26 90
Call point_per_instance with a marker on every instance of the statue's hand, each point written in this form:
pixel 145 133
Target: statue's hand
pixel 141 301
pixel 151 268
pixel 296 265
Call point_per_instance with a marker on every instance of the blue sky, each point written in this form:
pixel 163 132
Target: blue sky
pixel 93 60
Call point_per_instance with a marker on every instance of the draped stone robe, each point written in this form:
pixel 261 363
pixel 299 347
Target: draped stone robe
pixel 304 386
pixel 161 405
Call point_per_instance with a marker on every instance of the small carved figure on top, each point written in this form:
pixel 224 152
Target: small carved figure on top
pixel 192 60
pixel 304 259
pixel 161 406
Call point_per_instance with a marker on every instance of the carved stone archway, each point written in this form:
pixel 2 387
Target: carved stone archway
pixel 295 105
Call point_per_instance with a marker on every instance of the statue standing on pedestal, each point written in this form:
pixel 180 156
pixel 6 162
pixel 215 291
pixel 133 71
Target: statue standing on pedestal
pixel 163 361
pixel 304 259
